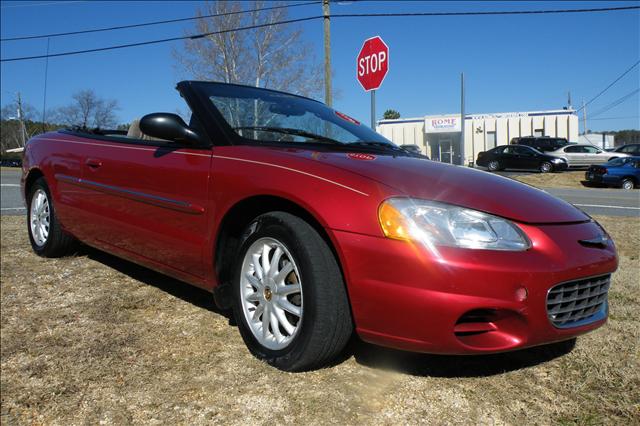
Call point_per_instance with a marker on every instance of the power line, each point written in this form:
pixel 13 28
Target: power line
pixel 165 40
pixel 615 103
pixel 146 24
pixel 609 86
pixel 480 13
pixel 50 3
pixel 310 18
pixel 616 118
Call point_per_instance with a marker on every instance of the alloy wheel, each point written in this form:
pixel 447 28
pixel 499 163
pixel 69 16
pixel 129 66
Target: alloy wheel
pixel 271 293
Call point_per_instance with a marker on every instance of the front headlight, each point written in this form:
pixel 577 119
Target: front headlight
pixel 433 224
pixel 559 160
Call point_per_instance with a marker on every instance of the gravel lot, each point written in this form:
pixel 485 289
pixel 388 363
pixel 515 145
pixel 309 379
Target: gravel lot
pixel 94 339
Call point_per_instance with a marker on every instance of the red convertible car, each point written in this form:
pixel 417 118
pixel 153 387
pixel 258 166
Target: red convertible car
pixel 312 226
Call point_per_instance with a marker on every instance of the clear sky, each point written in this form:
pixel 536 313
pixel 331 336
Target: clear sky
pixel 511 63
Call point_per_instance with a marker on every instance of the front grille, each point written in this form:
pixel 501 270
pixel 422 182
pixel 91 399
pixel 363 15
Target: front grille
pixel 579 302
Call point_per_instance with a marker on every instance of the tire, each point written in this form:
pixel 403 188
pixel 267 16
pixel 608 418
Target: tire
pixel 628 184
pixel 612 158
pixel 493 166
pixel 546 167
pixel 315 324
pixel 45 233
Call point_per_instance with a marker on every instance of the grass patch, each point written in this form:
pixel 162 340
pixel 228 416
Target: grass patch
pixel 91 338
pixel 569 179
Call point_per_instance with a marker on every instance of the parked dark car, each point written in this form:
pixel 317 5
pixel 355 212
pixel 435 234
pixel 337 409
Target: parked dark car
pixel 541 143
pixel 630 148
pixel 519 157
pixel 621 172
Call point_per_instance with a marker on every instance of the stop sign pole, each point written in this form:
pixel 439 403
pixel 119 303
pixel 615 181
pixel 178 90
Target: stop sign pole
pixel 372 66
pixel 373 109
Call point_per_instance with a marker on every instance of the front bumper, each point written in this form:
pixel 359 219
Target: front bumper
pixel 560 166
pixel 405 297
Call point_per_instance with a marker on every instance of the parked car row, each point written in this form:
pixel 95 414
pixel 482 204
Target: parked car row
pixel 537 154
pixel 609 168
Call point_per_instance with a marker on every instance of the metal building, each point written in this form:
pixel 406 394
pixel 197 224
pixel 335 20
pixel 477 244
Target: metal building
pixel 439 135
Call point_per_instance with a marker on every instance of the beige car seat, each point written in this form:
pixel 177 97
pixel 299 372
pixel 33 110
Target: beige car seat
pixel 134 132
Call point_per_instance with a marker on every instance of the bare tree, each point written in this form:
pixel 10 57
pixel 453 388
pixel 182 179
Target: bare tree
pixel 14 131
pixel 88 110
pixel 272 57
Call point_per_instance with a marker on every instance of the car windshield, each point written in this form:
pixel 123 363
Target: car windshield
pixel 268 116
pixel 616 162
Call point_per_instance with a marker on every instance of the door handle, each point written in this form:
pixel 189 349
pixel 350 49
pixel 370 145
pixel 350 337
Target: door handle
pixel 93 163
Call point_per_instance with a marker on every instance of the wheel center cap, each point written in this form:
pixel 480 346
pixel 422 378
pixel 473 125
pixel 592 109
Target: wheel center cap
pixel 267 294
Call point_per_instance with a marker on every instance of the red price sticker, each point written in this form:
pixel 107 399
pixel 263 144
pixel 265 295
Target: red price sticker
pixel 361 156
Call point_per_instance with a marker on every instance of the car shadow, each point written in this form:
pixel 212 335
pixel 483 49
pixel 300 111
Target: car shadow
pixel 184 291
pixel 446 366
pixel 454 366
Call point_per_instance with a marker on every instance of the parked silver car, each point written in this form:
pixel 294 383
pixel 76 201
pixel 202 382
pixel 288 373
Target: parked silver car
pixel 584 155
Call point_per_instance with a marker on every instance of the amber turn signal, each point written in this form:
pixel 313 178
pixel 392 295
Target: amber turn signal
pixel 394 224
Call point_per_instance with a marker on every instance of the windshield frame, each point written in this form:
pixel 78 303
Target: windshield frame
pixel 203 90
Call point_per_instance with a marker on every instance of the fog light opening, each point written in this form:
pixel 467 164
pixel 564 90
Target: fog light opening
pixel 476 322
pixel 491 329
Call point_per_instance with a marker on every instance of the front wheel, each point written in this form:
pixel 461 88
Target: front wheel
pixel 290 301
pixel 628 184
pixel 546 167
pixel 493 166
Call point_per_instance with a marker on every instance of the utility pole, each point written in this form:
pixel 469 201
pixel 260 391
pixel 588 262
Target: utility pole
pixel 584 118
pixel 327 53
pixel 569 100
pixel 44 97
pixel 23 130
pixel 462 118
pixel 373 109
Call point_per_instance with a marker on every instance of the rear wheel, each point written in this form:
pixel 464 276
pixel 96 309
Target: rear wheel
pixel 289 299
pixel 45 234
pixel 493 165
pixel 546 167
pixel 628 184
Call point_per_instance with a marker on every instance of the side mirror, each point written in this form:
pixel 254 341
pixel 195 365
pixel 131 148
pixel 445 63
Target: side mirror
pixel 168 126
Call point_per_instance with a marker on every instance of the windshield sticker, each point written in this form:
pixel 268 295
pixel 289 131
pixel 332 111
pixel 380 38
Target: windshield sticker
pixel 347 118
pixel 360 156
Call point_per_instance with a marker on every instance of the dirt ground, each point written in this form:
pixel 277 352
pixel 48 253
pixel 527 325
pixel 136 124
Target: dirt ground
pixel 93 339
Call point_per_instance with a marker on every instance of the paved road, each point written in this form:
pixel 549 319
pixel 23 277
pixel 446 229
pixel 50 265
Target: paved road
pixel 609 202
pixel 10 198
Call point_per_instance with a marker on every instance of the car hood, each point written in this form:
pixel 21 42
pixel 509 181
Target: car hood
pixel 462 186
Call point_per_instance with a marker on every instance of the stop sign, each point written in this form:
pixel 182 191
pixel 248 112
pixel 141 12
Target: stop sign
pixel 372 63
